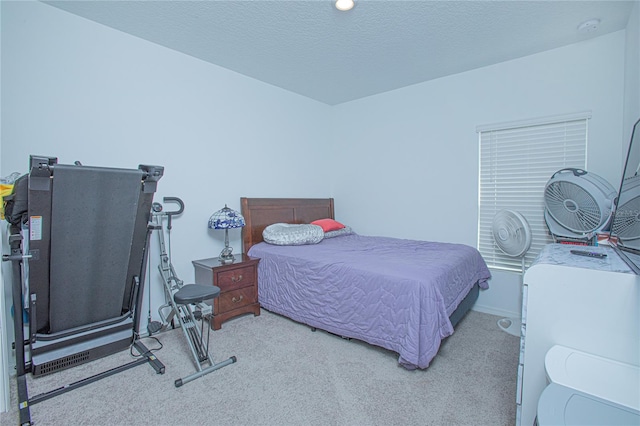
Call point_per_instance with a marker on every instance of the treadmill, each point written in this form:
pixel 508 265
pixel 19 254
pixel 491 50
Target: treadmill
pixel 79 254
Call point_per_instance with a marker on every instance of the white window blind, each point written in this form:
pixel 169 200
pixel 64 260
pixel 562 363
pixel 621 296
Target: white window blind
pixel 516 161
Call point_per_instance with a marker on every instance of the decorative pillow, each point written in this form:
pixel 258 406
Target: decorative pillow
pixel 286 234
pixel 328 225
pixel 344 231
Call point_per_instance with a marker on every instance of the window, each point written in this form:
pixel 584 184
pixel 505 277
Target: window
pixel 516 161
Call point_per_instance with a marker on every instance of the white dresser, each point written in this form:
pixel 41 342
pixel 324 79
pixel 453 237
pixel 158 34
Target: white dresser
pixel 585 303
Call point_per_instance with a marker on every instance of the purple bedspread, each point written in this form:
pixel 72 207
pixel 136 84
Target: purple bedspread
pixel 394 293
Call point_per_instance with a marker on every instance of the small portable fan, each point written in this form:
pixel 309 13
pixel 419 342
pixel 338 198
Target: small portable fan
pixel 511 232
pixel 626 222
pixel 512 235
pixel 577 204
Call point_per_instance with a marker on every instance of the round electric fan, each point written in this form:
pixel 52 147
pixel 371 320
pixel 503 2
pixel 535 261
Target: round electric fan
pixel 512 235
pixel 511 232
pixel 577 204
pixel 626 222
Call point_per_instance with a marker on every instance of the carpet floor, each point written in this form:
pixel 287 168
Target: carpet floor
pixel 286 374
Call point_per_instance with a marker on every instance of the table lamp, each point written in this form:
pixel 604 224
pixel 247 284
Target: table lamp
pixel 226 218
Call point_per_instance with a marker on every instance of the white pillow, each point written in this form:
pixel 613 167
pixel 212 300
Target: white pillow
pixel 339 232
pixel 286 234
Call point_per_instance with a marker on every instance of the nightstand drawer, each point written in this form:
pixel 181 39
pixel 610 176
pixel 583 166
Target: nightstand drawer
pixel 235 278
pixel 235 299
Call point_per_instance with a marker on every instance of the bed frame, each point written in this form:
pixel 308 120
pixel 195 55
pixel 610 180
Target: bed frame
pixel 261 212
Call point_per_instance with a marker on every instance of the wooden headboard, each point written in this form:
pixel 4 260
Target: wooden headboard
pixel 260 212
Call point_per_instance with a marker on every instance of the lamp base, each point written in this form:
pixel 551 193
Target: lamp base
pixel 226 256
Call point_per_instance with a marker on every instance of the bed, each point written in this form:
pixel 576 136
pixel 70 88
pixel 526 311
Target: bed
pixel 403 295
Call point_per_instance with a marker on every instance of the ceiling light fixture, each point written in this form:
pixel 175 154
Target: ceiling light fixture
pixel 344 5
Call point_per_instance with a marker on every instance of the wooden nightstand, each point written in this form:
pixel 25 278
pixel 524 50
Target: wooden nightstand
pixel 238 284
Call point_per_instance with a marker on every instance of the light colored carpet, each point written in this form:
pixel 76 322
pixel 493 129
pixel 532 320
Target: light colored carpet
pixel 289 375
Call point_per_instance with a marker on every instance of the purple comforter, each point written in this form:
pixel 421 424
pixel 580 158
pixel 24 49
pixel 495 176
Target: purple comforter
pixel 394 293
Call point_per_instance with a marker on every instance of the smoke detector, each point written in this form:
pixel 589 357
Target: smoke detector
pixel 589 26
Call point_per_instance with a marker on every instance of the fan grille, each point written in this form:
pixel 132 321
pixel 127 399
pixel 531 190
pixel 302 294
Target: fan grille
pixel 511 233
pixel 626 224
pixel 573 207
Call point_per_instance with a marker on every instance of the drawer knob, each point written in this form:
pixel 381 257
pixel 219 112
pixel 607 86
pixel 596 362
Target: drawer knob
pixel 236 279
pixel 236 299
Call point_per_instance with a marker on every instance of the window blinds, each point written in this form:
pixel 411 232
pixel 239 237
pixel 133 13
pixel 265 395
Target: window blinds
pixel 516 161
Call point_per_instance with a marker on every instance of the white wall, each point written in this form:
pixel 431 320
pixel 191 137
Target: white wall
pixel 4 323
pixel 407 161
pixel 78 90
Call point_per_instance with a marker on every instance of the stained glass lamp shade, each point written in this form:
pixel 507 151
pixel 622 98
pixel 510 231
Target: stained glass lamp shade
pixel 226 219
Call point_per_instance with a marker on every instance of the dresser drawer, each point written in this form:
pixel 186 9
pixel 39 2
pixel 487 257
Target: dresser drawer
pixel 235 299
pixel 235 278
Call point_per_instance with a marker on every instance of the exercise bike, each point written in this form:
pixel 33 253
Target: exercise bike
pixel 185 303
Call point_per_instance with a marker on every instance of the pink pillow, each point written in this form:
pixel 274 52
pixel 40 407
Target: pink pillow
pixel 328 225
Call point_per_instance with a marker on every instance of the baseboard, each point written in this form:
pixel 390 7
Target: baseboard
pixel 493 311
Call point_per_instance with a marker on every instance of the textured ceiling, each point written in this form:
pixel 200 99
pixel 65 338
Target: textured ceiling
pixel 310 48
